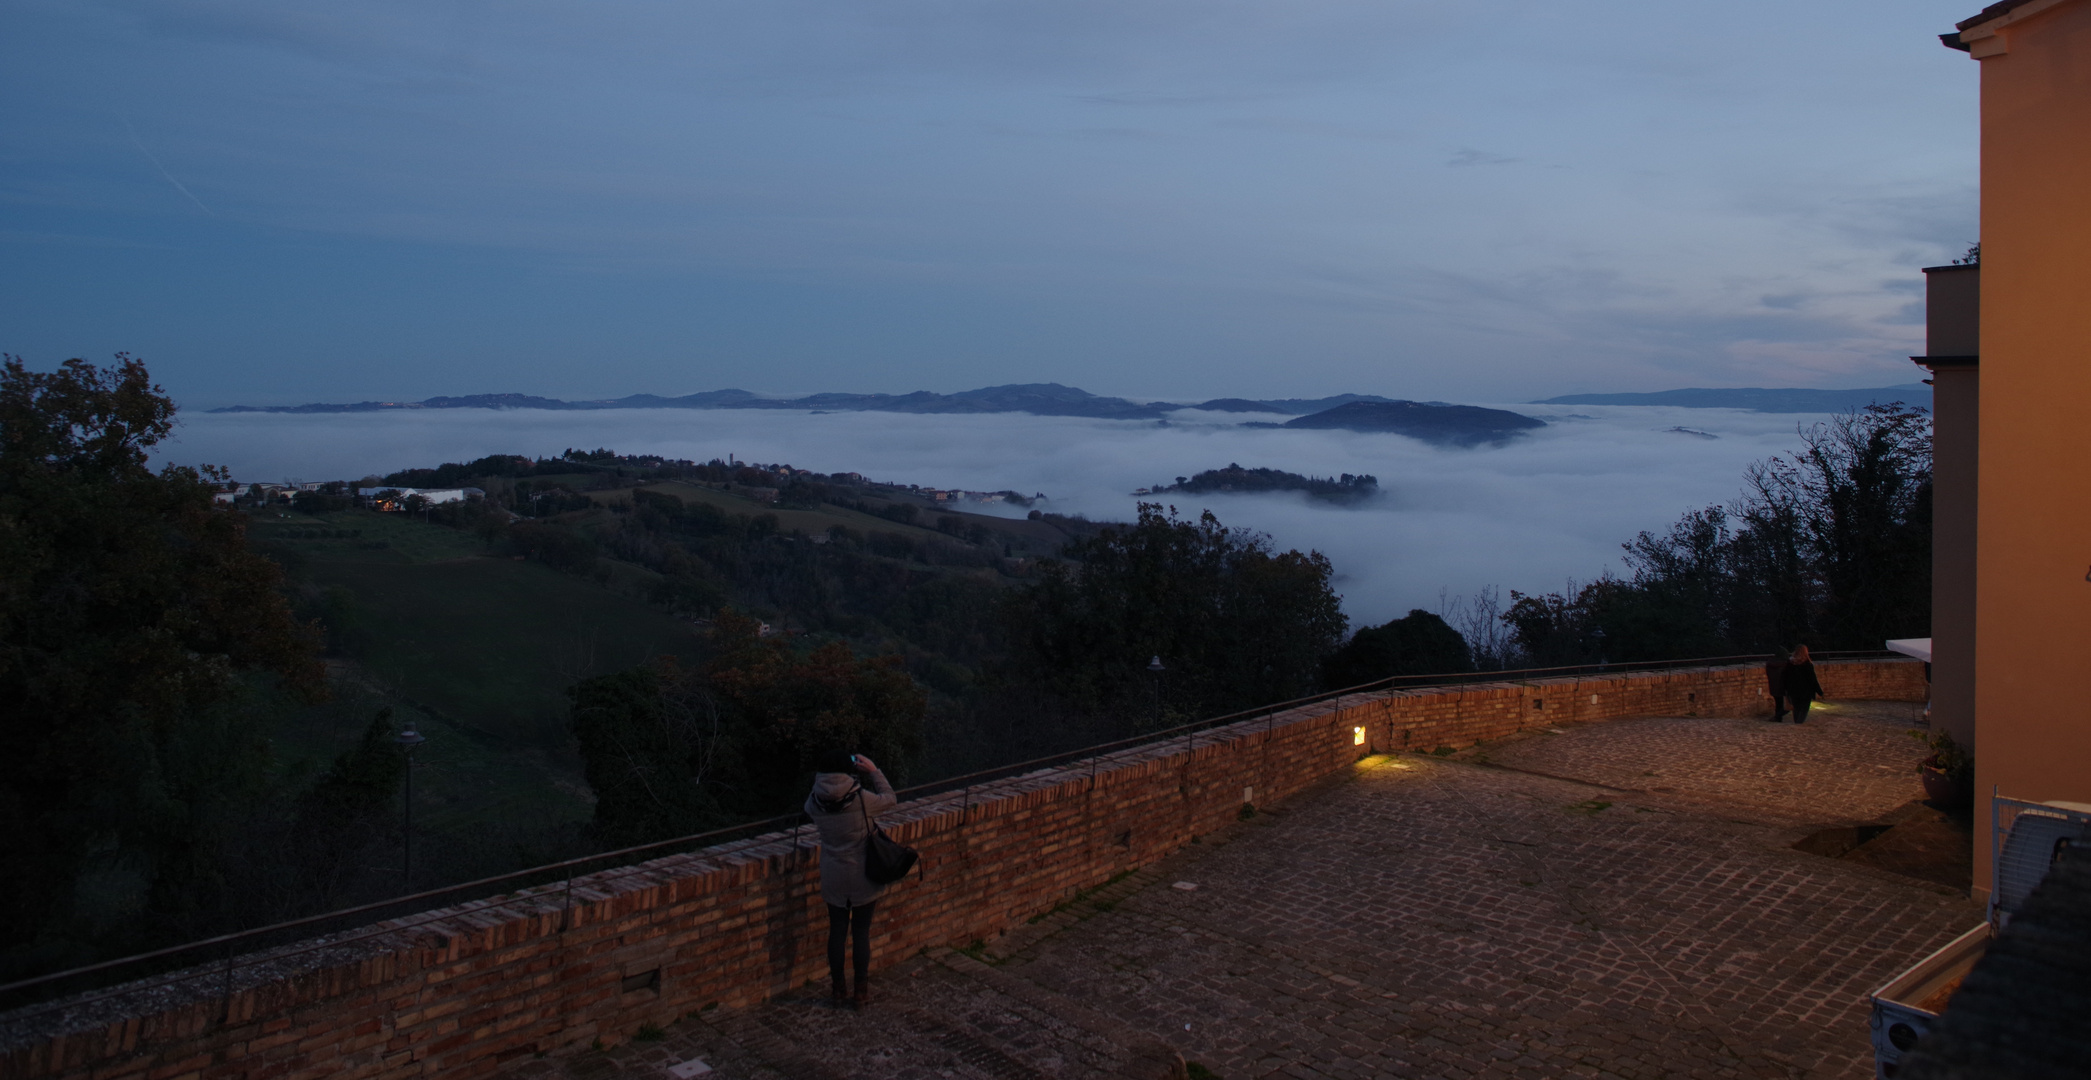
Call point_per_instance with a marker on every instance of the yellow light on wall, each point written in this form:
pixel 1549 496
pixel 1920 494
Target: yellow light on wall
pixel 1357 736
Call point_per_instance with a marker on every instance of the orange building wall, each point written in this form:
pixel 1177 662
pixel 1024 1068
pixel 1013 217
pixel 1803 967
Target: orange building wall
pixel 2033 608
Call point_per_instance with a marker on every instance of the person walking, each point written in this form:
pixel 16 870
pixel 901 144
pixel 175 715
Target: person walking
pixel 849 792
pixel 1801 686
pixel 1775 681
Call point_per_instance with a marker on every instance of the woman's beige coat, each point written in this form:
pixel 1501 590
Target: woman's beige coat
pixel 843 831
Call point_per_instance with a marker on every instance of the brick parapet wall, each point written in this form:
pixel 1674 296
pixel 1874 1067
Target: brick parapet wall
pixel 460 991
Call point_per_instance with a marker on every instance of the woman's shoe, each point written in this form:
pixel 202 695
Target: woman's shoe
pixel 841 995
pixel 862 996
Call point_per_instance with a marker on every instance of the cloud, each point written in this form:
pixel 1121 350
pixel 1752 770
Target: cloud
pixel 439 197
pixel 1467 158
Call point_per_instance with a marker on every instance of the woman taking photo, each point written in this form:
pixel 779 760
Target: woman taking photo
pixel 849 793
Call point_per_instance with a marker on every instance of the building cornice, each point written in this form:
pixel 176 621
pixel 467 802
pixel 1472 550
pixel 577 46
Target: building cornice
pixel 1982 36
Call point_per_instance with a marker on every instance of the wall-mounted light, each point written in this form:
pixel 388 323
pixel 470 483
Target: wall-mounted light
pixel 1357 736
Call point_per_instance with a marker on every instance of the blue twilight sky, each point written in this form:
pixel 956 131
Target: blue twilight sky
pixel 283 201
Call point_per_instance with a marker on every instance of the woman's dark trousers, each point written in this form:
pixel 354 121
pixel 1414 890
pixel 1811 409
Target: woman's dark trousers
pixel 1801 703
pixel 854 922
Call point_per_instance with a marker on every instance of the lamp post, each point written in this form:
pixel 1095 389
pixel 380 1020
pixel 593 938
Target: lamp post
pixel 1155 668
pixel 408 740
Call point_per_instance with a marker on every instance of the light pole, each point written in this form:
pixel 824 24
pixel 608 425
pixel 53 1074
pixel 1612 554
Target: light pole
pixel 1155 668
pixel 408 740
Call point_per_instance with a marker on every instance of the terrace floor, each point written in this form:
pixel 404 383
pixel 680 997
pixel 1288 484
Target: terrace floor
pixel 1618 899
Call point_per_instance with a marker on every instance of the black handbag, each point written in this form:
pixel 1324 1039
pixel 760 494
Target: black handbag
pixel 886 860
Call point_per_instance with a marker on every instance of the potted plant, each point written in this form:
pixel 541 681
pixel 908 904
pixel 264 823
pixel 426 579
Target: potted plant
pixel 1948 771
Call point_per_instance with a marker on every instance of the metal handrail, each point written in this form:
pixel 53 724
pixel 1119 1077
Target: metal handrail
pixel 629 856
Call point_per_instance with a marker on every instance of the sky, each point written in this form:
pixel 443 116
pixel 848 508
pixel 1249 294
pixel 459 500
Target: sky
pixel 1548 507
pixel 279 201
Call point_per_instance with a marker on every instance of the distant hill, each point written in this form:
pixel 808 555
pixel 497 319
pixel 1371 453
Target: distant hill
pixel 1287 406
pixel 1038 399
pixel 1235 404
pixel 1755 399
pixel 1433 422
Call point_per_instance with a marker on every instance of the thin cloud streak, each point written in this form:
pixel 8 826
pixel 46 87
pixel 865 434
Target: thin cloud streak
pixel 164 174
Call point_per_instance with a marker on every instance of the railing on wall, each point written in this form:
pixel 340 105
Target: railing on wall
pixel 223 958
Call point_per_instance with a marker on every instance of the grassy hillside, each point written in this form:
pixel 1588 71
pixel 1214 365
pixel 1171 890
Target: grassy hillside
pixel 476 649
pixel 811 521
pixel 1021 536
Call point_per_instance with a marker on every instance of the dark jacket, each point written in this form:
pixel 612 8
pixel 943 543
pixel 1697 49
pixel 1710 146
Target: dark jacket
pixel 1775 675
pixel 1800 682
pixel 842 809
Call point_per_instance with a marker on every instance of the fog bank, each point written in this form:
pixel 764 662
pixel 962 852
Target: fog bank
pixel 1548 507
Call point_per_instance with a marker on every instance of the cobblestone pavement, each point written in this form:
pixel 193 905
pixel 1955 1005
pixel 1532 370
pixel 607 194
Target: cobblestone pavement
pixel 1852 760
pixel 1426 917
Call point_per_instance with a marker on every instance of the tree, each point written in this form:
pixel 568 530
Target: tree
pixel 350 815
pixel 651 740
pixel 1857 500
pixel 1418 643
pixel 132 617
pixel 671 752
pixel 1236 624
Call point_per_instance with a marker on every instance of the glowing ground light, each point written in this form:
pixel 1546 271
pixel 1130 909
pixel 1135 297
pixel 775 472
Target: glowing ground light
pixel 1357 736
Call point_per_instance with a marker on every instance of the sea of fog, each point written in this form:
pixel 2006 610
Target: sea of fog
pixel 1550 507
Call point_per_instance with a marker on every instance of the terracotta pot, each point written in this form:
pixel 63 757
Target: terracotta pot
pixel 1942 788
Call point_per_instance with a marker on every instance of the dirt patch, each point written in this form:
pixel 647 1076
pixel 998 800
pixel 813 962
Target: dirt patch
pixel 1917 840
pixel 1839 842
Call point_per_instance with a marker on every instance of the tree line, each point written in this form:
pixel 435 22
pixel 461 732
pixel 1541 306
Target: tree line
pixel 1829 546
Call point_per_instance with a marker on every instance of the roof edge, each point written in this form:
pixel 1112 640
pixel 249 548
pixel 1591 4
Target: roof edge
pixel 2006 11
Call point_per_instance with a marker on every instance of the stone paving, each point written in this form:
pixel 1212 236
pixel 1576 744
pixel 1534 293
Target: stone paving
pixel 1852 761
pixel 1618 900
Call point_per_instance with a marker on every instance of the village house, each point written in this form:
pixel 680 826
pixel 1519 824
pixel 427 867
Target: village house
pixel 394 498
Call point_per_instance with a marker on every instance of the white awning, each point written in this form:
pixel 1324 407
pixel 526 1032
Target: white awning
pixel 1919 647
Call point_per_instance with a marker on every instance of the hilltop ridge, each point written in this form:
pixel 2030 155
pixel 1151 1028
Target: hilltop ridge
pixel 1038 399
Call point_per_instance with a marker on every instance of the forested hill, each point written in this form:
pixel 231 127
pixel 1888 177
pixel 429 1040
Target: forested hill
pixel 1430 421
pixel 521 629
pixel 1345 488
